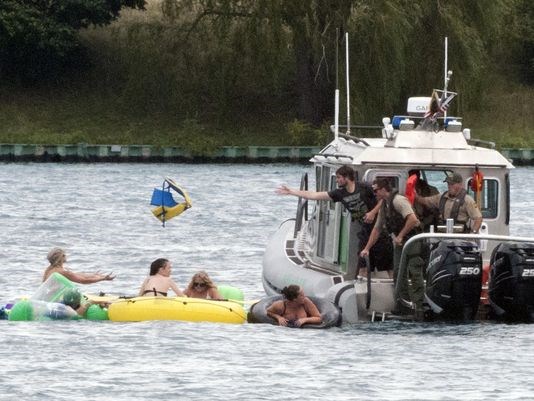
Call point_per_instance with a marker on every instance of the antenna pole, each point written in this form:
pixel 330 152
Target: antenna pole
pixel 336 95
pixel 447 74
pixel 348 86
pixel 445 78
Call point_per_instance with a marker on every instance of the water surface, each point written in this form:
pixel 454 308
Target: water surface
pixel 100 214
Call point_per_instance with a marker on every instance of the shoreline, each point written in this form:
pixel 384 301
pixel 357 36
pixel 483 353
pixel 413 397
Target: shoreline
pixel 83 152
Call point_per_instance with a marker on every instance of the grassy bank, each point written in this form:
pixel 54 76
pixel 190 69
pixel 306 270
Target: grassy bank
pixel 63 116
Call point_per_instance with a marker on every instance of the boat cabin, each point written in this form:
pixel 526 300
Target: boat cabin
pixel 407 143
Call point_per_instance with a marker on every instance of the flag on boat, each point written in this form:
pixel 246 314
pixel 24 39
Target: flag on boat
pixel 439 105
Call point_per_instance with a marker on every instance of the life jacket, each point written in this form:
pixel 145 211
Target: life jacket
pixel 394 222
pixel 409 191
pixel 459 200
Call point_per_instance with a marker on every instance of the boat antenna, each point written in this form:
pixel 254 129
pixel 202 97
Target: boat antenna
pixel 336 93
pixel 348 86
pixel 446 73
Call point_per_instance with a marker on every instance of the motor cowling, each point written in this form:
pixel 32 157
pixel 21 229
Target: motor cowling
pixel 511 283
pixel 454 280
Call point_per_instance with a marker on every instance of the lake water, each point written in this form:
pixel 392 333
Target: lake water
pixel 100 214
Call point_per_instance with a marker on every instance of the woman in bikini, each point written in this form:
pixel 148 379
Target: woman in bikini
pixel 201 286
pixel 57 257
pixel 295 309
pixel 159 282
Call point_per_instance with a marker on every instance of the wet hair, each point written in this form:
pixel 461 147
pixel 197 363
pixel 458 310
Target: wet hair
pixel 347 172
pixel 199 277
pixel 156 265
pixel 383 183
pixel 291 292
pixel 55 256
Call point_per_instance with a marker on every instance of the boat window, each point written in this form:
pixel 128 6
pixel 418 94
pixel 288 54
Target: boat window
pixel 436 178
pixel 393 180
pixel 333 185
pixel 393 176
pixel 489 197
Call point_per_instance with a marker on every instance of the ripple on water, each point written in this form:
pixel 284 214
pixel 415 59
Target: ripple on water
pixel 100 214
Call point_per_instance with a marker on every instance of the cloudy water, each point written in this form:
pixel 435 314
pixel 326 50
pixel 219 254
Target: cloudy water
pixel 100 214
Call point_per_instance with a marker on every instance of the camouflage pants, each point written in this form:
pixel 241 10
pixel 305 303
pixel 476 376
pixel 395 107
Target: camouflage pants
pixel 411 285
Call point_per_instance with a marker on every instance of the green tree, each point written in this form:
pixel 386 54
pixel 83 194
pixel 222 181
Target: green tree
pixel 396 46
pixel 520 35
pixel 38 39
pixel 269 29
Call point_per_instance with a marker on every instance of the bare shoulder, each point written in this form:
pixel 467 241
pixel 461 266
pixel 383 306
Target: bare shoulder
pixel 276 305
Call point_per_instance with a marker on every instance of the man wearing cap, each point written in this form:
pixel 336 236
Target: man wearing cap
pixel 455 204
pixel 398 219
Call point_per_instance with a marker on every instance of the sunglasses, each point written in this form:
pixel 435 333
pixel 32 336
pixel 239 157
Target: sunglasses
pixel 199 284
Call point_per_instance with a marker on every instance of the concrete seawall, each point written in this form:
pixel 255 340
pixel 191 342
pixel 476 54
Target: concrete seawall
pixel 83 152
pixel 150 154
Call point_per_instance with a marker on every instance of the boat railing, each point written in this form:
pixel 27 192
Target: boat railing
pixel 302 206
pixel 440 236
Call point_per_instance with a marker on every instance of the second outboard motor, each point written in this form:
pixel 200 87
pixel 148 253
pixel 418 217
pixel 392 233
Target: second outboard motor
pixel 511 285
pixel 454 280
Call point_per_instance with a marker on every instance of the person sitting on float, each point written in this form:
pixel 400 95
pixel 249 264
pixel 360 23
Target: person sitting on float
pixel 57 257
pixel 73 299
pixel 201 286
pixel 159 281
pixel 295 310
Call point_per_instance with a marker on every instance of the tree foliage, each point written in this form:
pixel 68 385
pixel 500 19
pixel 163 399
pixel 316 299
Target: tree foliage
pixel 396 46
pixel 243 60
pixel 38 39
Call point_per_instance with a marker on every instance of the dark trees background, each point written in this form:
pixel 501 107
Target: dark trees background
pixel 232 62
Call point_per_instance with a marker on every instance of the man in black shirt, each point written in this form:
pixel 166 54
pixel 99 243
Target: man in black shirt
pixel 360 202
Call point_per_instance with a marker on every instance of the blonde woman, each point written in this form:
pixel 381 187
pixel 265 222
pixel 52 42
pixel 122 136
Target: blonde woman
pixel 57 257
pixel 201 286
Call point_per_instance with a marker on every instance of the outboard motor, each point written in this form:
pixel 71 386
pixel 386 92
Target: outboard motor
pixel 511 286
pixel 454 280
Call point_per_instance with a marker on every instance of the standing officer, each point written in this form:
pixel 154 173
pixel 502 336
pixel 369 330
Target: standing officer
pixel 397 217
pixel 455 204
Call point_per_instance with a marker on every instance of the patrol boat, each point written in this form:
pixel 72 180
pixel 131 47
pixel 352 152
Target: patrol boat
pixel 468 276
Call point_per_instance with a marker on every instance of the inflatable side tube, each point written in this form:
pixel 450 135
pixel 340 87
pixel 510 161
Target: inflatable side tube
pixel 329 312
pixel 231 293
pixel 33 310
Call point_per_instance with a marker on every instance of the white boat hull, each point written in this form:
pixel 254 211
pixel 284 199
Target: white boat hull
pixel 281 269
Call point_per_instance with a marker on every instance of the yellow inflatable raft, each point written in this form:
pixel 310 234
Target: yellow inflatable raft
pixel 176 308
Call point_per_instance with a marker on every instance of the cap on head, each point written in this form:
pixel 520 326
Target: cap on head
pixel 454 178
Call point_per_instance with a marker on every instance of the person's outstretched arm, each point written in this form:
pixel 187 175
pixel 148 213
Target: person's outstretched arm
pixel 312 195
pixel 86 278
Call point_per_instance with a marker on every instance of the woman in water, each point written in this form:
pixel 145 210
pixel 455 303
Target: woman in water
pixel 201 286
pixel 295 310
pixel 57 257
pixel 159 282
